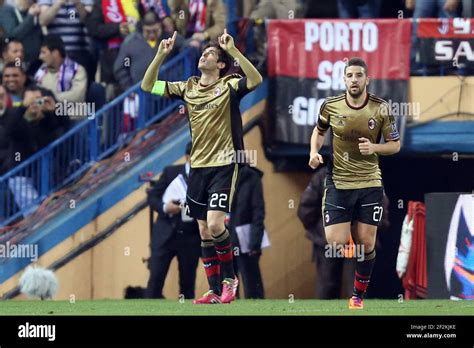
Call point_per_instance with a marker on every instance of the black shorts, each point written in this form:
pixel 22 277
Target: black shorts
pixel 211 188
pixel 364 205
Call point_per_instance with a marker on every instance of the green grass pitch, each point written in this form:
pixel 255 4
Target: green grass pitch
pixel 239 307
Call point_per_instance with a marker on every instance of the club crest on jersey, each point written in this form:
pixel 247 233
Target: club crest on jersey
pixel 217 91
pixel 371 123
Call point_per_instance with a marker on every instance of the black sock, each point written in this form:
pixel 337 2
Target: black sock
pixel 363 272
pixel 223 247
pixel 211 265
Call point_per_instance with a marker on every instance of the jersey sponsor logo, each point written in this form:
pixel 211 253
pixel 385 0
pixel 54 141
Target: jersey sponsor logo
pixel 371 123
pixel 208 106
pixel 340 120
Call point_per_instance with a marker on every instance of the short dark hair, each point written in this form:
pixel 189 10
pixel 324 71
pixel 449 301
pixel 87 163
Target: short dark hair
pixel 357 62
pixel 7 42
pixel 150 18
pixel 32 87
pixel 224 57
pixel 54 42
pixel 15 65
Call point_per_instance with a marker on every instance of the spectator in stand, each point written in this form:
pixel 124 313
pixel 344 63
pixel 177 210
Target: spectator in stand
pixel 65 18
pixel 267 9
pixel 23 25
pixel 139 49
pixel 161 8
pixel 359 8
pixel 109 28
pixel 61 75
pixel 279 9
pixel 15 82
pixel 6 16
pixel 434 8
pixel 198 20
pixel 12 51
pixel 15 143
pixel 39 111
pixel 322 10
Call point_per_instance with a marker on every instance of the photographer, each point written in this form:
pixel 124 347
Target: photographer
pixel 173 234
pixel 39 111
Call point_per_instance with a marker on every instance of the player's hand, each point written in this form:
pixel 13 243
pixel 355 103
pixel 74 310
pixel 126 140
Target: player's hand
pixel 166 46
pixel 172 208
pixel 226 42
pixel 366 147
pixel 315 159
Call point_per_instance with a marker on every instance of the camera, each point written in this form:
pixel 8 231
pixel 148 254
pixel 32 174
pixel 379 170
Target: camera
pixel 39 101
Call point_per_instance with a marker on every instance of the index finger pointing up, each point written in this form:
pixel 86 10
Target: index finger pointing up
pixel 174 36
pixel 225 31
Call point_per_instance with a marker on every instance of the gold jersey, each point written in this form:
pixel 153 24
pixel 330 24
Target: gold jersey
pixel 348 168
pixel 214 117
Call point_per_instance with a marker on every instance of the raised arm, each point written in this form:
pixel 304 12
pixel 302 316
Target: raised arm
pixel 151 74
pixel 226 42
pixel 48 13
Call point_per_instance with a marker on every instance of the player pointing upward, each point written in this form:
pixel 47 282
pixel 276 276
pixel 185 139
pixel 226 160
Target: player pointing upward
pixel 212 101
pixel 353 186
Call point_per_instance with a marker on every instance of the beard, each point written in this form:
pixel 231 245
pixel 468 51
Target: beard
pixel 356 94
